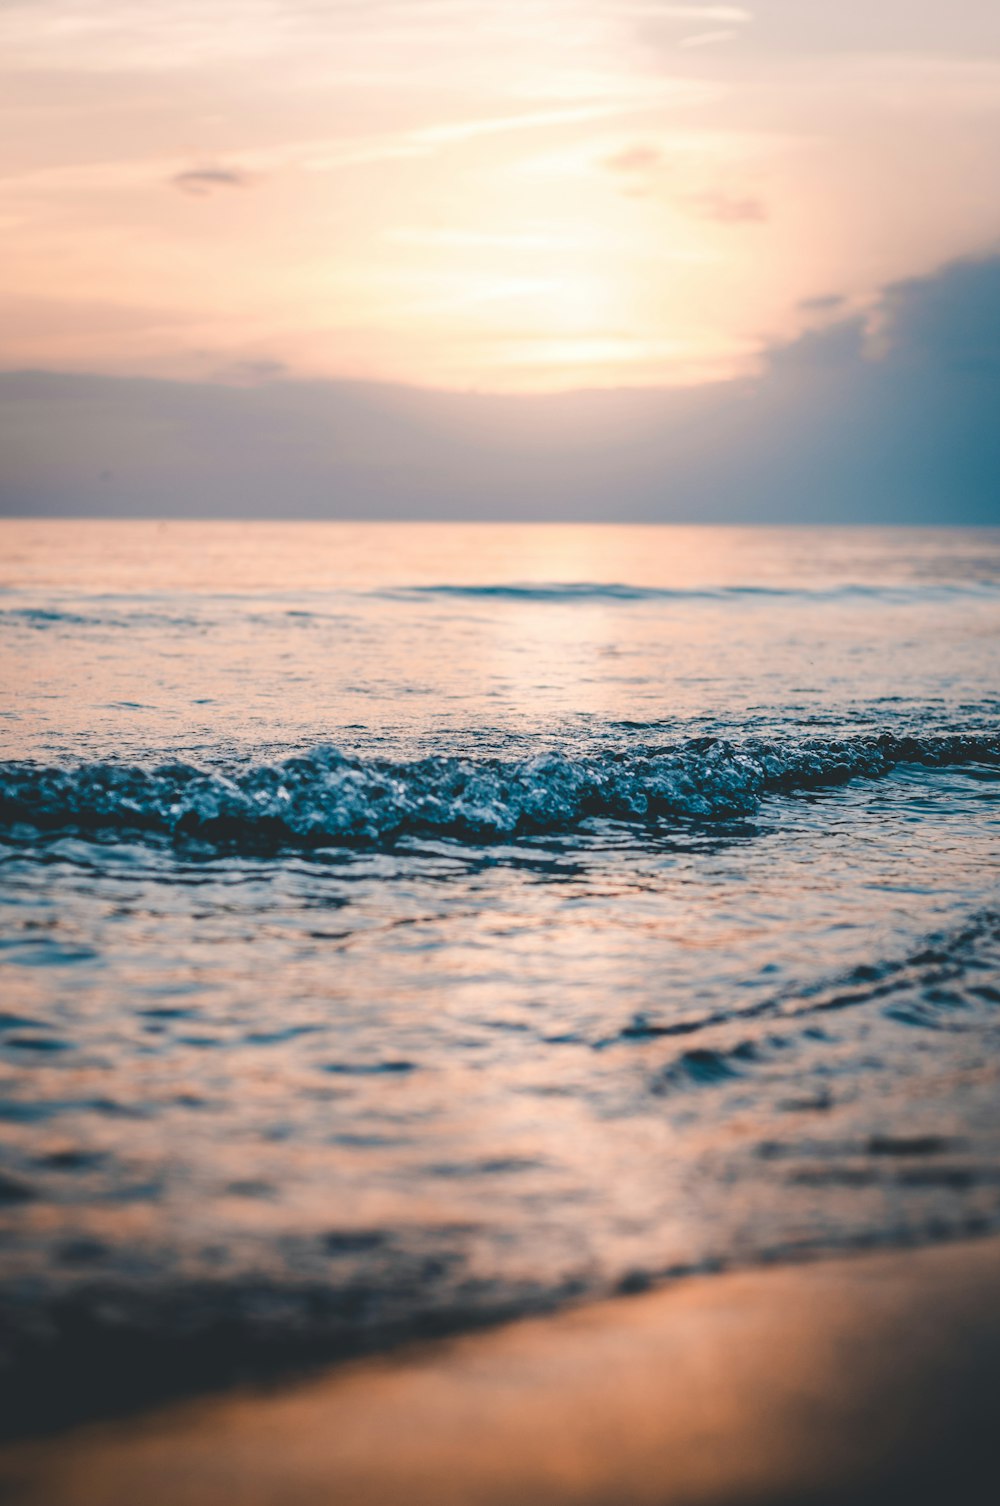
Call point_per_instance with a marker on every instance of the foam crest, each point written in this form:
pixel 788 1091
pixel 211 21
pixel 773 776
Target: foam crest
pixel 327 797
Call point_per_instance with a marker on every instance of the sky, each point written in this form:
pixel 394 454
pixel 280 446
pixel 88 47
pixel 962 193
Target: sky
pixel 463 198
pixel 827 431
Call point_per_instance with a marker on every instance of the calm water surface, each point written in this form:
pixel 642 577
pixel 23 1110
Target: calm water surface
pixel 406 926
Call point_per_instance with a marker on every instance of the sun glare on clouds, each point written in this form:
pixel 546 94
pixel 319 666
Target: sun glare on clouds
pixel 449 192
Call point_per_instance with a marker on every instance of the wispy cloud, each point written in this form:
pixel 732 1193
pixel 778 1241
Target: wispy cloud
pixel 560 170
pixel 165 35
pixel 201 181
pixel 635 159
pixel 424 140
pixel 474 240
pixel 730 209
pixel 707 38
pixel 466 130
pixel 723 15
pixel 640 164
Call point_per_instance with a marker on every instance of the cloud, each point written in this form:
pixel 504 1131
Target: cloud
pixel 657 25
pixel 639 162
pixel 635 159
pixel 200 181
pixel 453 237
pixel 950 321
pixel 727 15
pixel 525 120
pixel 252 372
pixel 829 430
pixel 707 38
pixel 730 209
pixel 825 303
pixel 424 141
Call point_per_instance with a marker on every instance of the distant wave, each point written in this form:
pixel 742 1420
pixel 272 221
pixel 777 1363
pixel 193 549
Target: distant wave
pixel 128 611
pixel 325 797
pixel 569 591
pixel 555 591
pixel 133 613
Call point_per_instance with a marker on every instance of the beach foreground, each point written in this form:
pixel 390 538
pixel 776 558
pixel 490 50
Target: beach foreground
pixel 873 1378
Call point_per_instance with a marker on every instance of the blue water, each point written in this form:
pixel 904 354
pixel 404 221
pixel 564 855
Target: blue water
pixel 406 927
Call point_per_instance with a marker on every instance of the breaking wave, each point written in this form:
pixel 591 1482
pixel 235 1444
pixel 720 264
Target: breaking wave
pixel 326 797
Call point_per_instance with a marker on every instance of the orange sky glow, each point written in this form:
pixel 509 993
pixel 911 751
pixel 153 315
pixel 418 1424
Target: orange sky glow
pixel 543 194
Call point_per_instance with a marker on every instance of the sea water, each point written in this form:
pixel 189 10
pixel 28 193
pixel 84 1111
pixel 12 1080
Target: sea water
pixel 409 926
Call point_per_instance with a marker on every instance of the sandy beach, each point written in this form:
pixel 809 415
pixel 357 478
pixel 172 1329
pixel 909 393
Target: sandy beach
pixel 875 1378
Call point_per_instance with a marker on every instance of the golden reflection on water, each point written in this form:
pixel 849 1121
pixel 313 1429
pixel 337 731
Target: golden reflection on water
pixel 349 1077
pixel 191 637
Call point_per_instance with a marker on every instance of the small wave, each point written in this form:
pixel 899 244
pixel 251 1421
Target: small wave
pixel 43 619
pixel 325 797
pixel 115 613
pixel 596 591
pixel 946 980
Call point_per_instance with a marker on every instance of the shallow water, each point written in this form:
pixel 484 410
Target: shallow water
pixel 405 926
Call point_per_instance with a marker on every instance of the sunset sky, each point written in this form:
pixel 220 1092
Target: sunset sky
pixel 533 195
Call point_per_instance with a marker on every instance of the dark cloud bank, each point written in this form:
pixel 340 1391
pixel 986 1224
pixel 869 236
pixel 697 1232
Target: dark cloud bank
pixel 831 431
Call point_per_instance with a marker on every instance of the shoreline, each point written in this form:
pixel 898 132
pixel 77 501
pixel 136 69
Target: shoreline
pixel 873 1377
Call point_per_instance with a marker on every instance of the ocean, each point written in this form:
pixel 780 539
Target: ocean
pixel 406 927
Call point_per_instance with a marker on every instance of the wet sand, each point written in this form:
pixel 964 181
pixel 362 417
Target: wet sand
pixel 871 1379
